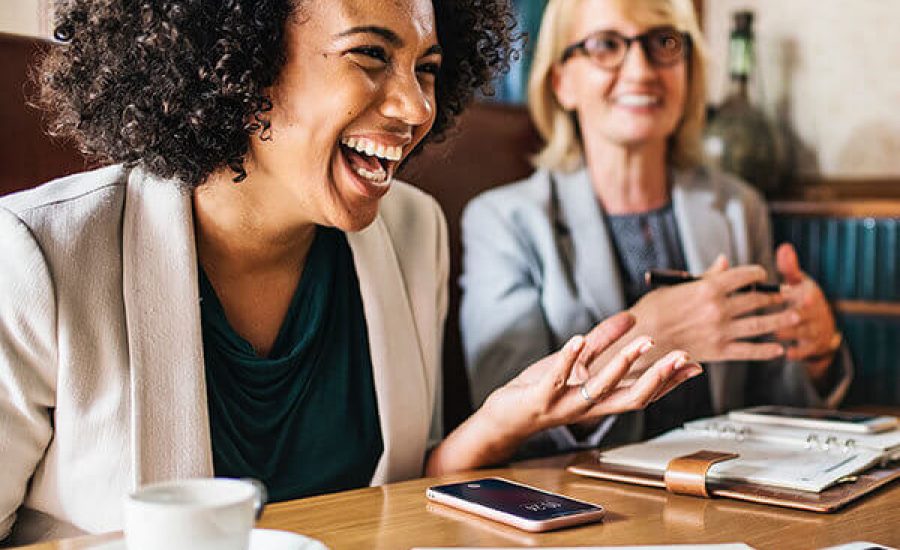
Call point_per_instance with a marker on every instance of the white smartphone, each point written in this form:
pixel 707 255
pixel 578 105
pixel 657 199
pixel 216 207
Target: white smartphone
pixel 515 504
pixel 823 419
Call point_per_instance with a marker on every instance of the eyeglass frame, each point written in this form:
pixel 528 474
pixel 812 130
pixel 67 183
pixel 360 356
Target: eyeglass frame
pixel 642 39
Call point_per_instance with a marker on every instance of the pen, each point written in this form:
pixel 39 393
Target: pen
pixel 656 278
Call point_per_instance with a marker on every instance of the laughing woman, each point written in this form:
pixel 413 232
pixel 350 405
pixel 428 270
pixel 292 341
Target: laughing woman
pixel 244 291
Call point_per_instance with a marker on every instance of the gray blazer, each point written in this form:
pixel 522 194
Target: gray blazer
pixel 539 267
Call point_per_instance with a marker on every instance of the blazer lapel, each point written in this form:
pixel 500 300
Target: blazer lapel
pixel 397 361
pixel 593 263
pixel 706 233
pixel 170 424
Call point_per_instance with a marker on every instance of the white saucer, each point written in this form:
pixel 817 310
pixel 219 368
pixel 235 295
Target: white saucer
pixel 260 539
pixel 264 539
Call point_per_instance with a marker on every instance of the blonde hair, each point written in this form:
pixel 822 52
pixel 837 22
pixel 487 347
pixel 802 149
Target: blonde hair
pixel 558 127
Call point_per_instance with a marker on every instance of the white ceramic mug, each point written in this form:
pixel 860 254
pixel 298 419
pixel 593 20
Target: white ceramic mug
pixel 193 514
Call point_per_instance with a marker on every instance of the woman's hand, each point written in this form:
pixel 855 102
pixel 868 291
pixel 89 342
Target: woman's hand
pixel 711 321
pixel 549 394
pixel 814 338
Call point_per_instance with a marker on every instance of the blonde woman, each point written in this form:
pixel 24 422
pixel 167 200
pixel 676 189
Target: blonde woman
pixel 617 92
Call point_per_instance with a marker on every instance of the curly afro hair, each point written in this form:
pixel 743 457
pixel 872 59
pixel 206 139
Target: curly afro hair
pixel 179 86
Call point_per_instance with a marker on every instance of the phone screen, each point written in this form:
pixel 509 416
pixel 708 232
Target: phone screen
pixel 515 499
pixel 817 414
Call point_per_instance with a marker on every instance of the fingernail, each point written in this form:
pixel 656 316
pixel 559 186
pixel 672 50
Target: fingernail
pixel 640 345
pixel 575 343
pixel 694 371
pixel 682 361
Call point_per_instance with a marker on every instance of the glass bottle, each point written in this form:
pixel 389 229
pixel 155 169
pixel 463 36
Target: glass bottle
pixel 739 138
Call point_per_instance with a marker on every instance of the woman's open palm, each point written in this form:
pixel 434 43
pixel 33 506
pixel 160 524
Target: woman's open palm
pixel 558 390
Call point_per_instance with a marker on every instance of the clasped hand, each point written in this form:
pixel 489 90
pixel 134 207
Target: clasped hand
pixel 712 321
pixel 814 337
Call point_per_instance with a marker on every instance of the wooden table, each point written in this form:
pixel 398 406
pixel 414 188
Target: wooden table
pixel 397 516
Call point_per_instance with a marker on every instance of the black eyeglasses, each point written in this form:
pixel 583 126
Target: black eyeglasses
pixel 663 46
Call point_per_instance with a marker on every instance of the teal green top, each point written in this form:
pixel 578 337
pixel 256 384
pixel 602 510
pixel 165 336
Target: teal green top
pixel 303 420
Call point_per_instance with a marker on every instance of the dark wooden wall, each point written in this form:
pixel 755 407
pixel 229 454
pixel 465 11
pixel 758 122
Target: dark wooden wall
pixel 27 155
pixel 491 146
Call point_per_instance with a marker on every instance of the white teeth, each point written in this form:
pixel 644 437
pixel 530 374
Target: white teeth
pixel 378 177
pixel 638 100
pixel 369 147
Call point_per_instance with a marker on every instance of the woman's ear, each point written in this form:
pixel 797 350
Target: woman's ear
pixel 562 87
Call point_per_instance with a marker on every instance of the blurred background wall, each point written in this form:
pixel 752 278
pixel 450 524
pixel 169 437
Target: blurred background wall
pixel 30 17
pixel 831 69
pixel 829 74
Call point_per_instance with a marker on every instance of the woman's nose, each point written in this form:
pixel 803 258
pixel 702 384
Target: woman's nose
pixel 406 101
pixel 636 63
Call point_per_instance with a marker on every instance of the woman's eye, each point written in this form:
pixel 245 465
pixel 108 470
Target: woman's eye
pixel 609 44
pixel 372 52
pixel 666 42
pixel 603 45
pixel 429 68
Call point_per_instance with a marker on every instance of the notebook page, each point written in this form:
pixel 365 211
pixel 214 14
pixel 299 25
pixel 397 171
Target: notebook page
pixel 780 465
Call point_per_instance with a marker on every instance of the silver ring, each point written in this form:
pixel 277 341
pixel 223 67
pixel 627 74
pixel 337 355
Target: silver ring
pixel 584 393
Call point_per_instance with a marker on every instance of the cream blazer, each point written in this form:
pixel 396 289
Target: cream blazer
pixel 101 358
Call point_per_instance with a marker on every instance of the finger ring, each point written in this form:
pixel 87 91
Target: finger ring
pixel 584 393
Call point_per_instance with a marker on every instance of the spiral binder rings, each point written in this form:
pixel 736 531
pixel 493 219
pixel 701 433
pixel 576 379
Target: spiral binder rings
pixel 886 445
pixel 809 469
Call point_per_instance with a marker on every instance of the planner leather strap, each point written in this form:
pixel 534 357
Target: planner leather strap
pixel 686 475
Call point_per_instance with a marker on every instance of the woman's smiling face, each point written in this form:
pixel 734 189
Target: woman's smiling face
pixel 634 104
pixel 356 95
